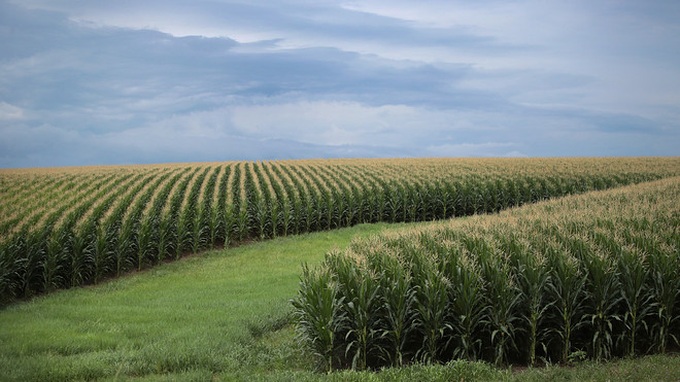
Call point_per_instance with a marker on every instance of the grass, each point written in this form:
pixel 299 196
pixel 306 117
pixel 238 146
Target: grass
pixel 218 316
pixel 197 316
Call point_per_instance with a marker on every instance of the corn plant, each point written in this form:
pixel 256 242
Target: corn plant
pixel 319 315
pixel 533 276
pixel 239 210
pixel 636 295
pixel 101 254
pixel 8 271
pixel 140 227
pixel 172 226
pixel 219 225
pixel 189 223
pixel 294 199
pixel 53 265
pixel 266 211
pixel 153 229
pixel 665 291
pixel 282 207
pixel 203 230
pixel 125 245
pixel 467 308
pixel 81 260
pixel 144 239
pixel 604 297
pixel 431 300
pixel 360 292
pixel 398 299
pixel 567 295
pixel 35 262
pixel 503 297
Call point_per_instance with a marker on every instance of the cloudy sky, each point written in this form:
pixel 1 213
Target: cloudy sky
pixel 147 81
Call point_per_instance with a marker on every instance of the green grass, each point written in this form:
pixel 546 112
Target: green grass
pixel 218 316
pixel 196 317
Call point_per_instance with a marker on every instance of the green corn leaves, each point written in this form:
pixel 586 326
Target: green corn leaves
pixel 588 276
pixel 61 228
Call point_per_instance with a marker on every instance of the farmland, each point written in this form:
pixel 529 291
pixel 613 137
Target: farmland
pixel 226 314
pixel 596 275
pixel 66 227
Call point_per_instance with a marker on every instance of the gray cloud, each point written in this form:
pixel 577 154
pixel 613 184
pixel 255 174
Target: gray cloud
pixel 126 82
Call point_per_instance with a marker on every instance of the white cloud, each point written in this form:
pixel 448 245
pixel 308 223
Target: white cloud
pixel 487 149
pixel 515 154
pixel 323 122
pixel 10 112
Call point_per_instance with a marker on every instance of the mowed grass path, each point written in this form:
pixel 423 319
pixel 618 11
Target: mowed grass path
pixel 217 316
pixel 190 318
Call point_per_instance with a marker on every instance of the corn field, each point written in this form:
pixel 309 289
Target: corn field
pixel 587 276
pixel 64 227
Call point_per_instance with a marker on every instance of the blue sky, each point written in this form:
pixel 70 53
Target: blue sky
pixel 130 81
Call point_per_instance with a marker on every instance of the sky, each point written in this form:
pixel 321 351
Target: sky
pixel 151 81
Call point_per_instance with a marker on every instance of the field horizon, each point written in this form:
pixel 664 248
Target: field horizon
pixel 95 166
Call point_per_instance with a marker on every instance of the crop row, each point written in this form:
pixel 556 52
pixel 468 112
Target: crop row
pixel 72 226
pixel 590 276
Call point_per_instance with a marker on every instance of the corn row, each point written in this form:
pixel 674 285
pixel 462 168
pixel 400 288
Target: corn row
pixel 71 226
pixel 594 275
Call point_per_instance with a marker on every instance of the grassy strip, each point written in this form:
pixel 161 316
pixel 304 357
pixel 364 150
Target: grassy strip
pixel 198 316
pixel 652 368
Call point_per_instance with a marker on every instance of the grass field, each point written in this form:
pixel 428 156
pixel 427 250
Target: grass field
pixel 190 318
pixel 225 315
